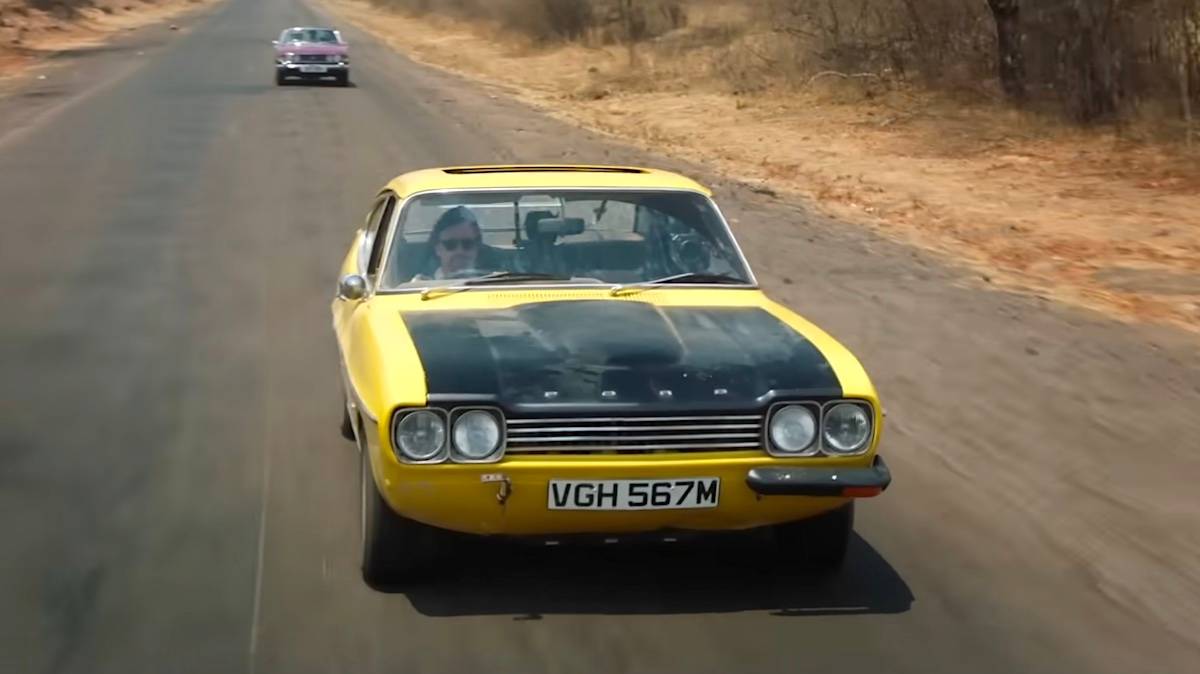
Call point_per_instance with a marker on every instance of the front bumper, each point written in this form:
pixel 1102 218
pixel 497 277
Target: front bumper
pixel 805 481
pixel 297 69
pixel 510 498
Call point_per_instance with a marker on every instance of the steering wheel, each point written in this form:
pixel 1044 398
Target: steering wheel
pixel 465 273
pixel 689 252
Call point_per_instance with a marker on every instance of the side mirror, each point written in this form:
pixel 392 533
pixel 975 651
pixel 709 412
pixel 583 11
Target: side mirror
pixel 275 42
pixel 352 288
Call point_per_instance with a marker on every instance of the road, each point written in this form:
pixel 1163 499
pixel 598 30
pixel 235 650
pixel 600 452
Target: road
pixel 175 496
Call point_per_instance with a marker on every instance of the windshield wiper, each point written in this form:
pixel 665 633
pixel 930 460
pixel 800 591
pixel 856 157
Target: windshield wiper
pixel 688 277
pixel 513 277
pixel 496 277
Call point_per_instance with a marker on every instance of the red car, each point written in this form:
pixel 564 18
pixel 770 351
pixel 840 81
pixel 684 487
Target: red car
pixel 308 53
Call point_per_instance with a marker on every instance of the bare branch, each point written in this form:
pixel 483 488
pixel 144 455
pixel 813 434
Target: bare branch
pixel 794 32
pixel 845 76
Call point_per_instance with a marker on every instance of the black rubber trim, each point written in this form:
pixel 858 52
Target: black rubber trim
pixel 545 168
pixel 799 481
pixel 550 410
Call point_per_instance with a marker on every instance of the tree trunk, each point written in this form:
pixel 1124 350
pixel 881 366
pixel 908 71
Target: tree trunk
pixel 1185 94
pixel 1095 58
pixel 627 19
pixel 1187 68
pixel 1011 56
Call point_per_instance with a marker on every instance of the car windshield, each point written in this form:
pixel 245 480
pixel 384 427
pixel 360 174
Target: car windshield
pixel 597 237
pixel 311 35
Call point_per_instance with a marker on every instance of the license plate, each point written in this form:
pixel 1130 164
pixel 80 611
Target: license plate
pixel 312 69
pixel 685 493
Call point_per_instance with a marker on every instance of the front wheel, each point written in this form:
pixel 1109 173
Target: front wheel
pixel 280 80
pixel 817 545
pixel 347 425
pixel 343 79
pixel 394 549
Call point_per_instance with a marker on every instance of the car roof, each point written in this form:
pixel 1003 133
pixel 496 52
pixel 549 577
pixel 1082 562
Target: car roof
pixel 541 176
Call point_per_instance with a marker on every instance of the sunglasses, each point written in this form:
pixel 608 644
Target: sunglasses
pixel 453 244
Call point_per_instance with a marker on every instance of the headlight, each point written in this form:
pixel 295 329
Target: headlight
pixel 476 435
pixel 420 435
pixel 793 430
pixel 847 428
pixel 289 56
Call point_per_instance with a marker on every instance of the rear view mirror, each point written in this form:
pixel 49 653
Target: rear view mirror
pixel 559 226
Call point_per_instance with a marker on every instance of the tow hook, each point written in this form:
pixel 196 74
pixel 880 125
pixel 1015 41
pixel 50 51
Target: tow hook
pixel 504 490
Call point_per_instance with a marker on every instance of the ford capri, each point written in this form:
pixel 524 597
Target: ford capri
pixel 557 352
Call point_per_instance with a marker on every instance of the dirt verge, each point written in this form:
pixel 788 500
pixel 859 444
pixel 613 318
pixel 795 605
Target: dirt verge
pixel 28 35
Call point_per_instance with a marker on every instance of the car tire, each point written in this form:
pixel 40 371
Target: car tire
pixel 817 545
pixel 394 549
pixel 347 425
pixel 280 80
pixel 343 79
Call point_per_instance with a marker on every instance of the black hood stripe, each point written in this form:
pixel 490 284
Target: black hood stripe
pixel 563 355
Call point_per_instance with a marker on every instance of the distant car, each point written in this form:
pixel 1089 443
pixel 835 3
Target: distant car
pixel 309 53
pixel 552 351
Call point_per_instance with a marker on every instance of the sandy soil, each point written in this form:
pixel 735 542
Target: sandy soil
pixel 27 36
pixel 1086 218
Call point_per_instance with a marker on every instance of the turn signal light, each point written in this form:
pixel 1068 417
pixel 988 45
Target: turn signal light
pixel 861 492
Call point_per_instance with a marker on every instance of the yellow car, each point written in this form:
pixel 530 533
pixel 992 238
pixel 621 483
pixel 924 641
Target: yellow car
pixel 556 351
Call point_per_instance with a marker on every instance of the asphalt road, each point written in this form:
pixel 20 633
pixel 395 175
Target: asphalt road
pixel 175 496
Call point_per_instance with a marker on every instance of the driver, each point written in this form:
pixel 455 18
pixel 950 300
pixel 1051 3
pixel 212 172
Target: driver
pixel 455 240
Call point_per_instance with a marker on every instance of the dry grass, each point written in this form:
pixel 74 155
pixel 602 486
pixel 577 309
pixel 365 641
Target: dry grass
pixel 1096 217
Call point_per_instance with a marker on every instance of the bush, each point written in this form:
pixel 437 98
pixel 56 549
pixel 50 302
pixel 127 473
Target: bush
pixel 547 20
pixel 561 20
pixel 1096 58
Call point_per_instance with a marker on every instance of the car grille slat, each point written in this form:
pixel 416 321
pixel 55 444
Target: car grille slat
pixel 642 438
pixel 633 434
pixel 752 428
pixel 633 420
pixel 636 448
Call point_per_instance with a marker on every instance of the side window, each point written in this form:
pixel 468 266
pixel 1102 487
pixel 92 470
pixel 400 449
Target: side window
pixel 378 231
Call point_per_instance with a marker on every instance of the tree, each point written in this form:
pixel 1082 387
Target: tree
pixel 1011 55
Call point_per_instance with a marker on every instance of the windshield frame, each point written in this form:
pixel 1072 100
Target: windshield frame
pixel 420 287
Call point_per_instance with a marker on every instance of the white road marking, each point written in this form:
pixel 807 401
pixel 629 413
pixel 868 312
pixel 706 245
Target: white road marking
pixel 262 533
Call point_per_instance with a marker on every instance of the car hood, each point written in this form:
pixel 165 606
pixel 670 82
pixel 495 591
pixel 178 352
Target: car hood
pixel 597 353
pixel 311 48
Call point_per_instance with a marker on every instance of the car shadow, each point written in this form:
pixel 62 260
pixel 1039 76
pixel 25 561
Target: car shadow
pixel 320 84
pixel 720 575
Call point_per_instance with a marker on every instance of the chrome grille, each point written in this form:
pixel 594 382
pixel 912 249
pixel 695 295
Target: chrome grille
pixel 314 58
pixel 634 434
